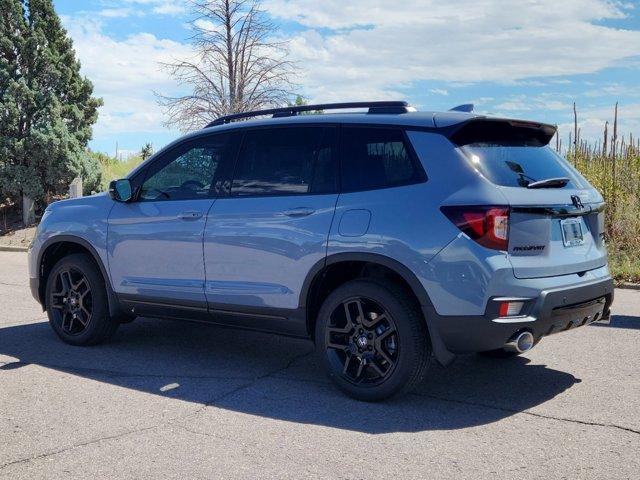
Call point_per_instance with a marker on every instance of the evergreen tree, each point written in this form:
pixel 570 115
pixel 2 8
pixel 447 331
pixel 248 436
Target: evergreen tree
pixel 46 106
pixel 146 151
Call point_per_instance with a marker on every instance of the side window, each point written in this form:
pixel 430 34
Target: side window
pixel 376 158
pixel 286 161
pixel 189 172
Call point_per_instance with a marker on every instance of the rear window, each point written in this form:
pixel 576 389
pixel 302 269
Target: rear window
pixel 376 158
pixel 518 165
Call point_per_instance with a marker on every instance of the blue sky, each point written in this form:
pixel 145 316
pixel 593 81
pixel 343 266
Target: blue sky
pixel 527 59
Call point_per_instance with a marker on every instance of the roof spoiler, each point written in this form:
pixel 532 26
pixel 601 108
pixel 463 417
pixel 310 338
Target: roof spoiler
pixel 497 130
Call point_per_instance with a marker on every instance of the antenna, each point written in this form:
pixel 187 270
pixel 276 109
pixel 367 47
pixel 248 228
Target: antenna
pixel 466 107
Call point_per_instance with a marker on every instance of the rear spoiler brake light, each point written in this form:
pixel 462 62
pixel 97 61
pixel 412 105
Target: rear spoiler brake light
pixel 492 130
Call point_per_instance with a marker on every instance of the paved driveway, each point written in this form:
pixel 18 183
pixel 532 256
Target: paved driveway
pixel 178 400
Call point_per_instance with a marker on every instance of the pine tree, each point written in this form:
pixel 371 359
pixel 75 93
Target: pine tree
pixel 146 151
pixel 46 106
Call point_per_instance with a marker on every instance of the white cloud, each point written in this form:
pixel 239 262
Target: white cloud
pixel 160 7
pixel 376 47
pixel 118 12
pixel 337 14
pixel 615 90
pixel 125 73
pixel 206 25
pixel 439 91
pixel 544 102
pixel 169 8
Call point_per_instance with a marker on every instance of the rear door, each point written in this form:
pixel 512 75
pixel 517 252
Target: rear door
pixel 552 230
pixel 262 240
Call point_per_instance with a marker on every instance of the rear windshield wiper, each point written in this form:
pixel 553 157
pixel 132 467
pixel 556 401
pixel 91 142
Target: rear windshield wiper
pixel 558 182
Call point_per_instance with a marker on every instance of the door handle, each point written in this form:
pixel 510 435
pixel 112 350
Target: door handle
pixel 299 212
pixel 191 215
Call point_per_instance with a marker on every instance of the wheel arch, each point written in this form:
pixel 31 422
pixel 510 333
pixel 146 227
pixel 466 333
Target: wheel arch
pixel 59 246
pixel 374 258
pixel 415 287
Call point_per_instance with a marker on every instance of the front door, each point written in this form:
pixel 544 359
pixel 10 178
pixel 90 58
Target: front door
pixel 263 239
pixel 155 243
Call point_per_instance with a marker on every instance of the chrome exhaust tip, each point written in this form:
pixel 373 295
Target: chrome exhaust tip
pixel 520 342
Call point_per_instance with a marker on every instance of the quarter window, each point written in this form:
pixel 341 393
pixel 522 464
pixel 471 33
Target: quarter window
pixel 376 158
pixel 286 161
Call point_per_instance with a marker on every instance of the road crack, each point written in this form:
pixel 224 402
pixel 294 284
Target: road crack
pixel 13 284
pixel 528 412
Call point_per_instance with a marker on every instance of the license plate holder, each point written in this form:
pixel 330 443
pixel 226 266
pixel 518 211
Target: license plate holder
pixel 572 235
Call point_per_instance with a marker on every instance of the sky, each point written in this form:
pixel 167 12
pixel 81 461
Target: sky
pixel 527 59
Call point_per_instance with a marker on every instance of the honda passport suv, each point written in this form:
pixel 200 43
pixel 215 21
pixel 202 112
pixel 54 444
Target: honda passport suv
pixel 387 236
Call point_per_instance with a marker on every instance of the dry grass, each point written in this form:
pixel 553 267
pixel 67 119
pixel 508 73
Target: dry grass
pixel 613 167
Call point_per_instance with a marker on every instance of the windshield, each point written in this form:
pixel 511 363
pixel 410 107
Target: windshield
pixel 518 165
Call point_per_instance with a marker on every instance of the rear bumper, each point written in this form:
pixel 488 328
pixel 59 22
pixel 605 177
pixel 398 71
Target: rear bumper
pixel 552 311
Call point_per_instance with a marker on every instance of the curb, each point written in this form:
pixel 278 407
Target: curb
pixel 10 248
pixel 628 286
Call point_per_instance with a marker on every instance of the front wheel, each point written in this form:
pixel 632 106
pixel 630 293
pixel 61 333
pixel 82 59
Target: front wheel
pixel 372 340
pixel 77 304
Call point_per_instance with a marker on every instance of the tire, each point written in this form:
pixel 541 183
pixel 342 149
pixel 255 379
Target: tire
pixel 76 302
pixel 397 351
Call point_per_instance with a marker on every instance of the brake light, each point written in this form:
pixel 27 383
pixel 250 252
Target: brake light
pixel 487 225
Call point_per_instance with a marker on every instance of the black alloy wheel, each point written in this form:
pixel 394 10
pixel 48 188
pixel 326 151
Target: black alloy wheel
pixel 362 341
pixel 372 340
pixel 71 301
pixel 77 302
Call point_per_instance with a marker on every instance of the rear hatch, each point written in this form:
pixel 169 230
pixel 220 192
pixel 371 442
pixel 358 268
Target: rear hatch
pixel 556 218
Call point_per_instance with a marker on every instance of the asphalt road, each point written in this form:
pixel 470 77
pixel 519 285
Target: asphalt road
pixel 177 400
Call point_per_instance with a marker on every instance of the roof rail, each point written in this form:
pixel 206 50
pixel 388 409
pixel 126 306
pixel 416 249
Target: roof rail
pixel 374 107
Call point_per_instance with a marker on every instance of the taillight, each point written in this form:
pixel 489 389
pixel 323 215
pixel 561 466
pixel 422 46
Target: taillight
pixel 487 225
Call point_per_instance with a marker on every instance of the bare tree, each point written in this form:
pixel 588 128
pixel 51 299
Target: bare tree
pixel 237 65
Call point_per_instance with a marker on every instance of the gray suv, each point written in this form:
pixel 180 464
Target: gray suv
pixel 389 237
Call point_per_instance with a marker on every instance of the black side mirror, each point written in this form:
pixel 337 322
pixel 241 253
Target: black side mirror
pixel 120 190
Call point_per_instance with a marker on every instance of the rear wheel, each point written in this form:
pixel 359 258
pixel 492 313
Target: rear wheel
pixel 372 340
pixel 77 304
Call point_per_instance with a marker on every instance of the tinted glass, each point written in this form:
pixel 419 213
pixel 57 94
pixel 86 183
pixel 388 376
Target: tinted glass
pixel 286 161
pixel 376 158
pixel 188 172
pixel 517 165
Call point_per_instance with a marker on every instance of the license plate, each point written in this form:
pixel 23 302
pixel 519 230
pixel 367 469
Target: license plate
pixel 571 232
